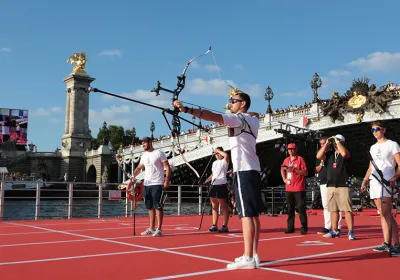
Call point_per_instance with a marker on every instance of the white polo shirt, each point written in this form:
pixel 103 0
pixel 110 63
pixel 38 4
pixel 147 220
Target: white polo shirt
pixel 243 146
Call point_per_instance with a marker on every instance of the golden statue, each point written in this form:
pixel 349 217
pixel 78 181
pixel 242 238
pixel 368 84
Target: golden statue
pixel 359 117
pixel 357 100
pixel 79 59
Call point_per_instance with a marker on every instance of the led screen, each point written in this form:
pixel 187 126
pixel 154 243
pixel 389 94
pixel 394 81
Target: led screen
pixel 14 126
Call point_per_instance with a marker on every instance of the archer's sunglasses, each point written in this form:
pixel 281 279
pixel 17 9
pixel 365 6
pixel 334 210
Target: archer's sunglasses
pixel 233 100
pixel 376 129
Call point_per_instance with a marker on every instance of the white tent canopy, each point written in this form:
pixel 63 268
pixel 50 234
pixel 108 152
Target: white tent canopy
pixel 3 170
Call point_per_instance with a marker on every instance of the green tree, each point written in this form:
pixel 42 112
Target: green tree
pixel 116 135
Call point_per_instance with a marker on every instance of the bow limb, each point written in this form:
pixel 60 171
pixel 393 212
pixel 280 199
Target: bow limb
pixel 193 59
pixel 188 164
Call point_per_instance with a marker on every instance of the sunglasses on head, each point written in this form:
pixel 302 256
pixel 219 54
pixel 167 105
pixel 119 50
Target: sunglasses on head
pixel 376 129
pixel 233 100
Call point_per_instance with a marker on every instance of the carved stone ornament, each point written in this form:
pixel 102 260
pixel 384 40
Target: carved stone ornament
pixel 80 144
pixel 374 99
pixel 64 144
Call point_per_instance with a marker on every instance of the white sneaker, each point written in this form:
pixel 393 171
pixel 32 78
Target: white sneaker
pixel 242 263
pixel 158 232
pixel 147 232
pixel 255 257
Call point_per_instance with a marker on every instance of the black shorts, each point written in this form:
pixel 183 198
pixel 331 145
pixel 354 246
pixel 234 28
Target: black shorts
pixel 152 196
pixel 219 191
pixel 247 187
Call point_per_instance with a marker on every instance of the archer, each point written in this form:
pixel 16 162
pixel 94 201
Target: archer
pixel 242 132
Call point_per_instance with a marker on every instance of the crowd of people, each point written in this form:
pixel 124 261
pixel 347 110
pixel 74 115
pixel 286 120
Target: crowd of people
pixel 292 108
pixel 331 167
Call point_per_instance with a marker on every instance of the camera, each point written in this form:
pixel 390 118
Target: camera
pixel 331 141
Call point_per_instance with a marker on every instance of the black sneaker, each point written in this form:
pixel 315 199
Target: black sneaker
pixel 383 248
pixel 223 229
pixel 323 231
pixel 395 250
pixel 213 228
pixel 289 231
pixel 303 231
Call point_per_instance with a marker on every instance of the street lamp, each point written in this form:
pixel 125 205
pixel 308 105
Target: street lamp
pixel 193 120
pixel 152 128
pixel 31 146
pixel 269 95
pixel 315 84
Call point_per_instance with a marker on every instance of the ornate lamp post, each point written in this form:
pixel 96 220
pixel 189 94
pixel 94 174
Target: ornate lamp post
pixel 31 146
pixel 152 128
pixel 315 84
pixel 269 95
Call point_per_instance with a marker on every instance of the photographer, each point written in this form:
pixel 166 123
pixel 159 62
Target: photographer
pixel 339 194
pixel 321 173
pixel 294 172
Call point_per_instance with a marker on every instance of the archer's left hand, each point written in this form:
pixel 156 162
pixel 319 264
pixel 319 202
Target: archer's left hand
pixel 178 104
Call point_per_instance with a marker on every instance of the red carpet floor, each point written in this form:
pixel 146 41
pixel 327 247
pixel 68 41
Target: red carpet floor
pixel 106 249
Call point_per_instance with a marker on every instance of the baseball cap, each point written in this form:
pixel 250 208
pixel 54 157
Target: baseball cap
pixel 292 146
pixel 340 137
pixel 146 139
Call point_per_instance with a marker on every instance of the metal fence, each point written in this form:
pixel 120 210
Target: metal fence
pixel 49 200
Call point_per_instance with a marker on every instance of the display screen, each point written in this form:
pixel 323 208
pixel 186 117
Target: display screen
pixel 14 126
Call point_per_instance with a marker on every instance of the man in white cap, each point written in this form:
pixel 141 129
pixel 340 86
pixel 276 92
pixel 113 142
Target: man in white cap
pixel 339 194
pixel 321 174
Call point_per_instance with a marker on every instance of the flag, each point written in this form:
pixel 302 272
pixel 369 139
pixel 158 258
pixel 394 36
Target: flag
pixel 303 121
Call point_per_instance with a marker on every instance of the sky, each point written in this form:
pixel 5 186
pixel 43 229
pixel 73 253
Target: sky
pixel 130 45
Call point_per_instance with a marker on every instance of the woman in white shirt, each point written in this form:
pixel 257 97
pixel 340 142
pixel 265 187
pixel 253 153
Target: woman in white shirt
pixel 386 155
pixel 219 191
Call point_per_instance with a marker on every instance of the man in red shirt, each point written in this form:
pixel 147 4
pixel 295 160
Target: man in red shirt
pixel 294 172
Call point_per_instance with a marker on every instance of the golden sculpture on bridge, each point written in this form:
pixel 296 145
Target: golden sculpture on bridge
pixel 357 100
pixel 79 59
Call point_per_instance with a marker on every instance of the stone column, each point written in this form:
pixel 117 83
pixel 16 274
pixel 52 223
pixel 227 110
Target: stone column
pixel 76 139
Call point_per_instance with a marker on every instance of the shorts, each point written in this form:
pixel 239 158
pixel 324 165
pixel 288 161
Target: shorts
pixel 152 197
pixel 339 199
pixel 247 187
pixel 376 190
pixel 219 191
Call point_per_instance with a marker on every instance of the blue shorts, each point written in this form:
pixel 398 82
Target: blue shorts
pixel 247 187
pixel 152 196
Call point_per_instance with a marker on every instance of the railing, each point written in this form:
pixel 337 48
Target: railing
pixel 46 200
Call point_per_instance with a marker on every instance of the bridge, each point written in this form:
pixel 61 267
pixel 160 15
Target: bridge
pixel 197 146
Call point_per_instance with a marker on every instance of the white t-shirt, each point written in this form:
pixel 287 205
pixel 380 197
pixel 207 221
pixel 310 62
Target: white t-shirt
pixel 383 155
pixel 243 146
pixel 154 168
pixel 219 170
